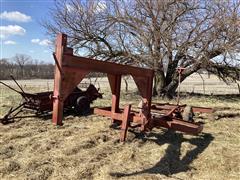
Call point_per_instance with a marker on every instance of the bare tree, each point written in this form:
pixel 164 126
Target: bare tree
pixel 21 60
pixel 4 67
pixel 161 35
pixel 22 66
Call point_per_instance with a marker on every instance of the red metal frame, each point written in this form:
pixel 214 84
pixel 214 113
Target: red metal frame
pixel 167 107
pixel 70 70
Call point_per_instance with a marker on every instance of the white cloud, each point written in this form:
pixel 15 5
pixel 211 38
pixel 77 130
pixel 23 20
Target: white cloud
pixel 45 51
pixel 35 41
pixel 9 42
pixel 44 42
pixel 31 51
pixel 15 16
pixel 9 30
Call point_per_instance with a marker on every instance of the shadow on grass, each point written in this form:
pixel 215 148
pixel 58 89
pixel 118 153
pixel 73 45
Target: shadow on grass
pixel 171 163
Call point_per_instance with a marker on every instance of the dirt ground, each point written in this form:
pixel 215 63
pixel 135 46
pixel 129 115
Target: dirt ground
pixel 87 148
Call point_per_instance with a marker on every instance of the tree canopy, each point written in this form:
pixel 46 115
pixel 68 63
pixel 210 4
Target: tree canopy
pixel 161 35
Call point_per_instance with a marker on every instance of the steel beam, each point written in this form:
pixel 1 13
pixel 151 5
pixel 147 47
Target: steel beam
pixel 115 85
pixel 104 67
pixel 177 124
pixel 61 43
pixel 125 122
pixel 167 106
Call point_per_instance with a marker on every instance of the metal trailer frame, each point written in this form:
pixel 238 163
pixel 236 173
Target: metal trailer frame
pixel 70 71
pixel 77 102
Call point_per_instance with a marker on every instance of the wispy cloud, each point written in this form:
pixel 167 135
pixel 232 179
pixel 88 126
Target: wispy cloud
pixel 9 42
pixel 15 16
pixel 35 41
pixel 44 42
pixel 9 30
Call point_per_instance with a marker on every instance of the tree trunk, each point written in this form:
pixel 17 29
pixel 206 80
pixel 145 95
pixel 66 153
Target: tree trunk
pixel 170 89
pixel 159 83
pixel 173 82
pixel 164 88
pixel 126 84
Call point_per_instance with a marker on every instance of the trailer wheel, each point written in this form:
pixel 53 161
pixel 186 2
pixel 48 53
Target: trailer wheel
pixel 188 114
pixel 82 106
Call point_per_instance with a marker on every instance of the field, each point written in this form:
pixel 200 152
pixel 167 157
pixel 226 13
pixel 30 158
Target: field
pixel 86 148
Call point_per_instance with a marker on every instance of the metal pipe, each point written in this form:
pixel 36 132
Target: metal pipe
pixel 10 87
pixel 17 84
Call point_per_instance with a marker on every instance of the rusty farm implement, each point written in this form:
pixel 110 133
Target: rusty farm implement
pixel 70 71
pixel 77 102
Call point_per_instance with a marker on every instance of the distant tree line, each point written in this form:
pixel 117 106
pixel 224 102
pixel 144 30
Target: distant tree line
pixel 22 66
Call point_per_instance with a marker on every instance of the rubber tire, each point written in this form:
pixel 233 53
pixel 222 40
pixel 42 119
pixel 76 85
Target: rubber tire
pixel 188 114
pixel 82 106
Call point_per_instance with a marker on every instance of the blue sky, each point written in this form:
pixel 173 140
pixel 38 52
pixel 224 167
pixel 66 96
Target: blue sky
pixel 20 29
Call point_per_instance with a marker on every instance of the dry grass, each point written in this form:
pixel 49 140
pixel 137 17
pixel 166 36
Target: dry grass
pixel 86 148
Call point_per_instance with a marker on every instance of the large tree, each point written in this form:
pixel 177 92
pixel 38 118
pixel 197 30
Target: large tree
pixel 161 35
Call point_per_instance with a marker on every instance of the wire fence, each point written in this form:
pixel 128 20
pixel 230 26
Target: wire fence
pixel 193 84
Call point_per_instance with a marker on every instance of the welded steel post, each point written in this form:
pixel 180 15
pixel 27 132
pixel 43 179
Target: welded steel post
pixel 58 77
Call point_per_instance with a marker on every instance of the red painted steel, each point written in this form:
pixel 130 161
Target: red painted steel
pixel 115 85
pixel 70 70
pixel 61 43
pixel 178 125
pixel 125 122
pixel 42 103
pixel 167 106
pixel 74 69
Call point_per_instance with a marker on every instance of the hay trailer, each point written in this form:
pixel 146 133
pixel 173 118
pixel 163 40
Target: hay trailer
pixel 70 71
pixel 77 102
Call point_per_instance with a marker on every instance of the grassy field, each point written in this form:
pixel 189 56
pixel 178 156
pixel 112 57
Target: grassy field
pixel 86 148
